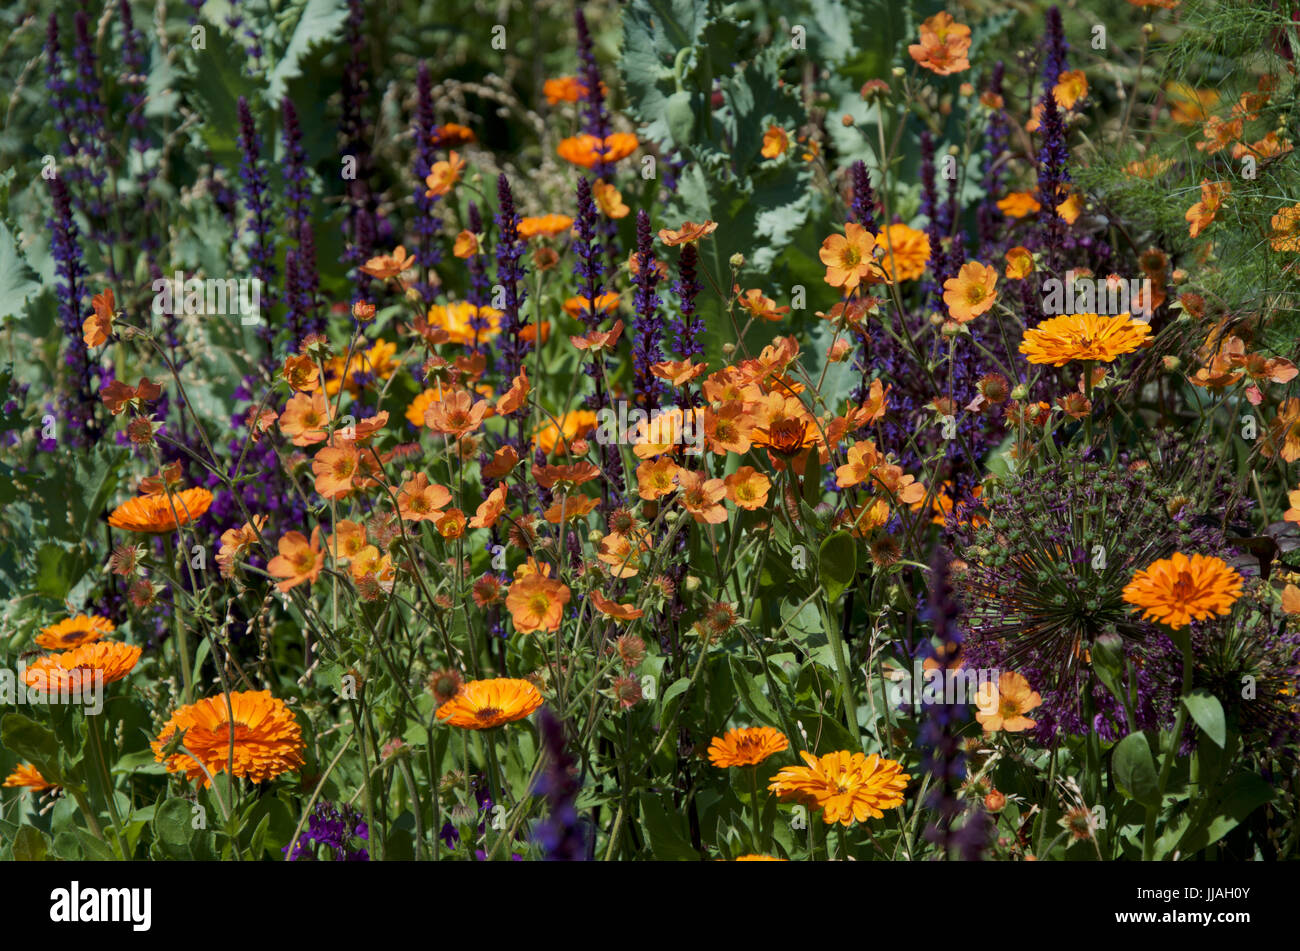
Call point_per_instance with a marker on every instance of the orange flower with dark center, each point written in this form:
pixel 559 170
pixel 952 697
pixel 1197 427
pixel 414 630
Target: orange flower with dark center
pixel 160 512
pixel 536 603
pixel 263 732
pixel 656 479
pixel 77 669
pixel 746 746
pixel 1178 590
pixel 74 631
pixel 483 704
pixel 688 233
pixel 298 561
pixel 28 776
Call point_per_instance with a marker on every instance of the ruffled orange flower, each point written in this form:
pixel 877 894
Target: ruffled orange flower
pixel 1201 215
pixel 1002 706
pixel 746 746
pixel 609 200
pixel 578 306
pixel 847 787
pixel 483 704
pixel 970 293
pixel 451 134
pixel 1178 590
pixel 776 141
pixel 75 669
pixel 547 226
pixel 1286 230
pixel 1018 204
pixel 267 738
pixel 1283 437
pixel 1020 263
pixel 457 415
pixel 298 561
pixel 98 327
pixel 620 612
pixel 383 266
pixel 74 631
pixel 563 89
pixel 536 603
pixel 588 151
pixel 160 512
pixel 688 233
pixel 28 776
pixel 906 252
pixel 572 426
pixel 1100 337
pixel 457 321
pixel 305 418
pixel 491 508
pixel 944 45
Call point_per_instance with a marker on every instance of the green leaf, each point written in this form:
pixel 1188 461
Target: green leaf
pixel 172 828
pixel 30 740
pixel 751 694
pixel 17 281
pixel 668 700
pixel 837 564
pixel 320 22
pixel 1208 714
pixel 1135 771
pixel 95 850
pixel 30 845
pixel 668 842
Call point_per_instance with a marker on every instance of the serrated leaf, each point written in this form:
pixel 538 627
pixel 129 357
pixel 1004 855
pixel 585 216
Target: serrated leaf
pixel 319 23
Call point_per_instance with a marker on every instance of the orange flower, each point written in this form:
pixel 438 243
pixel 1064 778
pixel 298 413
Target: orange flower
pixel 609 200
pixel 259 729
pixel 419 500
pixel 678 372
pixel 491 508
pixel 563 89
pixel 747 746
pixel 1219 134
pixel 906 252
pixel 622 556
pixel 688 233
pixel 970 293
pixel 1019 204
pixel 578 306
pixel 848 787
pixel 943 47
pixel 466 245
pixel 384 266
pixel 118 396
pixel 656 479
pixel 458 318
pixel 1286 229
pixel 1201 214
pixel 27 775
pixel 452 133
pixel 74 631
pixel 1283 438
pixel 1059 340
pixel 1020 263
pixel 849 258
pixel 1070 87
pixel 1002 706
pixel 98 327
pixel 334 468
pixel 748 488
pixel 1071 208
pixel 299 560
pixel 536 603
pixel 701 497
pixel 547 226
pixel 620 612
pixel 457 415
pixel 305 417
pixel 760 306
pixel 347 540
pixel 728 427
pixel 73 671
pixel 776 141
pixel 570 507
pixel 1178 590
pixel 514 398
pixel 572 426
pixel 588 151
pixel 503 460
pixel 599 341
pixel 450 524
pixel 443 175
pixel 483 704
pixel 160 512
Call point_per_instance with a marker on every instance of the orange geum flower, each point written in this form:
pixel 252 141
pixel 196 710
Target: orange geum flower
pixel 678 372
pixel 74 671
pixel 443 176
pixel 383 266
pixel 1002 706
pixel 1070 87
pixel 566 477
pixel 483 704
pixel 419 500
pixel 74 631
pixel 656 479
pixel 457 415
pixel 259 729
pixel 466 245
pixel 620 612
pixel 1201 215
pixel 589 151
pixel 862 461
pixel 904 252
pixel 457 321
pixel 1283 437
pixel 98 327
pixel 776 142
pixel 450 524
pixel 578 306
pixel 944 45
pixel 1271 146
pixel 1219 134
pixel 347 540
pixel 1179 589
pixel 160 512
pixel 1020 263
pixel 599 341
pixel 236 542
pixel 727 428
pixel 118 396
pixel 746 746
pixel 572 426
pixel 536 603
pixel 546 226
pixel 490 509
pixel 334 468
pixel 702 497
pixel 621 554
pixel 970 293
pixel 305 418
pixel 748 488
pixel 503 460
pixel 850 259
pixel 760 306
pixel 1018 204
pixel 451 134
pixel 570 507
pixel 1286 230
pixel 563 89
pixel 609 200
pixel 299 560
pixel 688 233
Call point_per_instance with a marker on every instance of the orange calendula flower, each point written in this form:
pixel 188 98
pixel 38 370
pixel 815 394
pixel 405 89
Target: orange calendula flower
pixel 1002 706
pixel 620 612
pixel 1179 589
pixel 1201 215
pixel 29 777
pixel 847 787
pixel 970 293
pixel 689 232
pixel 547 226
pixel 748 488
pixel 75 670
pixel 906 252
pixel 383 266
pixel 944 45
pixel 536 603
pixel 1100 337
pixel 702 497
pixel 74 631
pixel 849 258
pixel 588 151
pixel 776 142
pixel 746 746
pixel 1018 204
pixel 1020 263
pixel 483 704
pixel 98 327
pixel 160 512
pixel 1286 230
pixel 267 740
pixel 298 561
pixel 443 175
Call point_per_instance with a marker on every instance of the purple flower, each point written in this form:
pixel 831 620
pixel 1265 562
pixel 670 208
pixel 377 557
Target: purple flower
pixel 560 834
pixel 332 834
pixel 648 325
